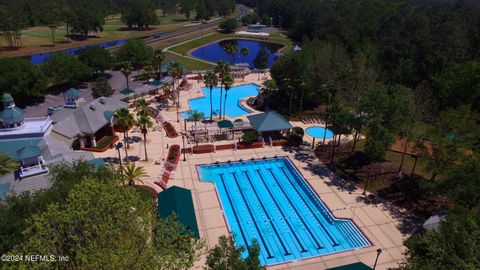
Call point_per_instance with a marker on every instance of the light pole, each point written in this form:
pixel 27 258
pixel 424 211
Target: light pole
pixel 379 251
pixel 184 150
pixel 118 146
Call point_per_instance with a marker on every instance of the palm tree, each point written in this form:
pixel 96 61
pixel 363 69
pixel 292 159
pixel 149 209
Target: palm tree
pixel 148 72
pixel 126 70
pixel 157 61
pixel 195 116
pixel 142 107
pixel 228 82
pixel 144 123
pixel 221 68
pixel 231 50
pixel 176 71
pixel 7 164
pixel 211 81
pixel 124 121
pixel 132 173
pixel 244 51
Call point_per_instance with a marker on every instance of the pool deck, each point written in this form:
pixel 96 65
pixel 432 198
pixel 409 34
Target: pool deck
pixel 375 221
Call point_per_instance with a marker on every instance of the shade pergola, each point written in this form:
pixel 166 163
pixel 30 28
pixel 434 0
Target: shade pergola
pixel 269 121
pixel 225 124
pixel 179 201
pixel 127 91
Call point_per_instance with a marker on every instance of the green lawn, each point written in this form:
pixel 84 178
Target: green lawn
pixel 190 63
pixel 39 38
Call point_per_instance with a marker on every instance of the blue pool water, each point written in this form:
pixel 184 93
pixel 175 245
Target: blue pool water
pixel 318 132
pixel 268 200
pixel 233 108
pixel 214 52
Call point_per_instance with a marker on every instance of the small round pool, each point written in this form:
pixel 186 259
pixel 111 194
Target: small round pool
pixel 318 132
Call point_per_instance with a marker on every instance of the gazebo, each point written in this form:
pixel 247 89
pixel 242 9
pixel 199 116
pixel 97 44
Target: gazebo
pixel 71 97
pixel 177 200
pixel 269 121
pixel 10 115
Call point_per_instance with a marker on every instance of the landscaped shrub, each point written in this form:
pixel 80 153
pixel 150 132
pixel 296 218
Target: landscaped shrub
pixel 296 136
pixel 238 120
pixel 170 130
pixel 249 137
pixel 297 131
pixel 173 154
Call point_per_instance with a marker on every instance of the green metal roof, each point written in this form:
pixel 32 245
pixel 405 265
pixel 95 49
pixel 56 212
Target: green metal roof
pixel 269 121
pixel 127 91
pixel 11 113
pixel 225 124
pixel 12 147
pixel 108 115
pixel 179 201
pixel 29 151
pixel 7 98
pixel 353 266
pixel 72 93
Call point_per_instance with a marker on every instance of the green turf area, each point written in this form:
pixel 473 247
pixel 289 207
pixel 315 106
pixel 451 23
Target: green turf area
pixel 192 64
pixel 105 142
pixel 186 47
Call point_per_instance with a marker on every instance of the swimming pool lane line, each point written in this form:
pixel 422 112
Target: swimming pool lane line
pixel 280 210
pixel 234 212
pixel 268 215
pixel 309 207
pixel 256 225
pixel 319 246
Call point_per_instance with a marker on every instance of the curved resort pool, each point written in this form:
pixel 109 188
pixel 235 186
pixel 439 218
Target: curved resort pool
pixel 318 132
pixel 270 201
pixel 233 107
pixel 215 52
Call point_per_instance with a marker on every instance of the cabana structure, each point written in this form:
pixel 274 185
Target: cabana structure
pixel 270 125
pixel 269 121
pixel 71 97
pixel 177 200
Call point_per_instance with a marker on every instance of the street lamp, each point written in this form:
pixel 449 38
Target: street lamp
pixel 379 251
pixel 119 146
pixel 183 140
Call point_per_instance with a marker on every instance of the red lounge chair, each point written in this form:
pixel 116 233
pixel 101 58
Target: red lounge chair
pixel 161 184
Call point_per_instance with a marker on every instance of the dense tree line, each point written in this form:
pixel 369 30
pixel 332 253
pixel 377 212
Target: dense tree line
pixel 97 220
pixel 390 70
pixel 82 17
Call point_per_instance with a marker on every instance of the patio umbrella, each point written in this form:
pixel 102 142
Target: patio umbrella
pixel 127 91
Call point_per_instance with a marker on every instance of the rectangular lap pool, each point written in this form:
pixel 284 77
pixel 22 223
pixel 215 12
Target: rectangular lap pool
pixel 268 200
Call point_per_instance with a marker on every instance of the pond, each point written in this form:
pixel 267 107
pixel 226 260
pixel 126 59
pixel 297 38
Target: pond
pixel 217 51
